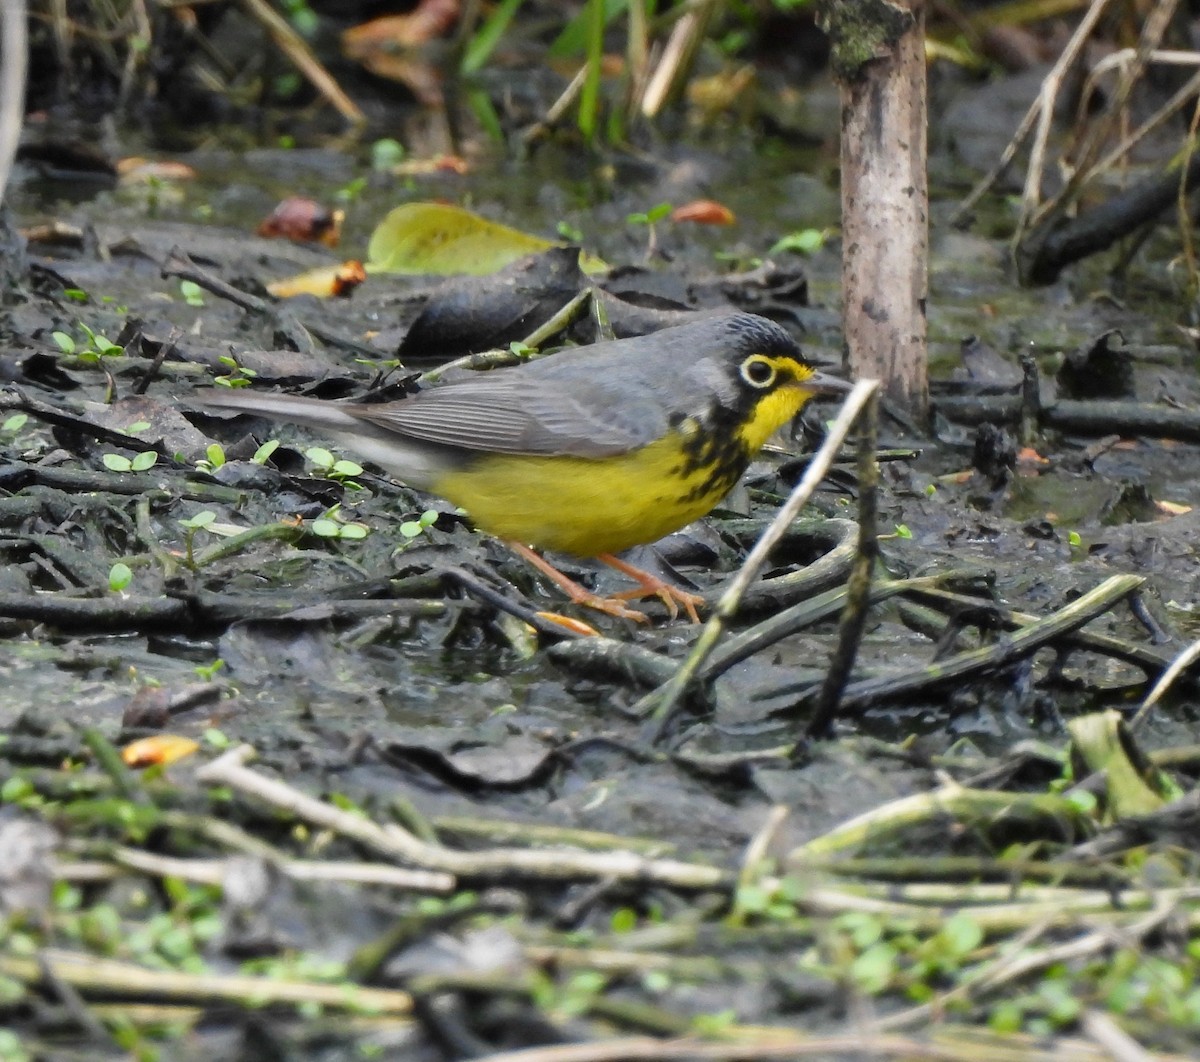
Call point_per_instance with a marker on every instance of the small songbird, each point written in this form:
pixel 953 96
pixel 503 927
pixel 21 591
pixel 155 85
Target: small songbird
pixel 591 450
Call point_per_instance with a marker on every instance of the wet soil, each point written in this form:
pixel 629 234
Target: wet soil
pixel 373 670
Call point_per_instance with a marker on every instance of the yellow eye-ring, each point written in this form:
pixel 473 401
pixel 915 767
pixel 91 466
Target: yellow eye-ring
pixel 758 371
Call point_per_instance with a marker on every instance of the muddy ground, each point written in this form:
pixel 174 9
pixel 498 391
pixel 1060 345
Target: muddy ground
pixel 378 673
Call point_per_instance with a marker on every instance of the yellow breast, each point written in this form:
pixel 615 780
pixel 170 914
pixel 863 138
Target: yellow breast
pixel 606 505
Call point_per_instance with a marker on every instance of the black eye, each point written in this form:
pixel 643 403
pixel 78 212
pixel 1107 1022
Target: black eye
pixel 757 371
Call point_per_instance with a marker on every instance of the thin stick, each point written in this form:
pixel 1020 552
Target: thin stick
pixel 214 871
pixel 557 864
pixel 1114 1040
pixel 1020 643
pixel 1178 666
pixel 293 46
pixel 858 590
pixel 1039 108
pixel 660 704
pixel 88 975
pixel 783 1045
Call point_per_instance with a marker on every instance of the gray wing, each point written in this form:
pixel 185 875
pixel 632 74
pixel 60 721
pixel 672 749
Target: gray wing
pixel 621 402
pixel 519 414
pixel 549 406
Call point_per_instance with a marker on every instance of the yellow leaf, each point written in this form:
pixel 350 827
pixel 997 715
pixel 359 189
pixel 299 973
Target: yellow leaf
pixel 161 749
pixel 440 239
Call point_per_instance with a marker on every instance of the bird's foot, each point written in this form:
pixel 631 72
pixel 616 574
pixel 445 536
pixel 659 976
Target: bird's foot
pixel 649 584
pixel 580 595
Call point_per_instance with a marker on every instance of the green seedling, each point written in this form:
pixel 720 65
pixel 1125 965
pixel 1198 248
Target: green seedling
pixel 302 17
pixel 96 346
pixel 191 527
pixel 199 522
pixel 238 375
pixel 650 219
pixel 333 525
pixel 212 737
pixel 263 454
pixel 214 458
pixel 413 529
pixel 569 232
pixel 335 468
pixel 192 293
pixel 351 191
pixel 119 577
pixel 571 997
pixel 142 462
pixel 386 154
pixel 739 261
pixel 715 1025
pixel 806 241
pixel 208 672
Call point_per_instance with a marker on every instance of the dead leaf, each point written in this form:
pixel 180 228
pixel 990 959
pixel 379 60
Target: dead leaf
pixel 135 169
pixel 159 750
pixel 704 212
pixel 1172 508
pixel 325 282
pixel 427 21
pixel 423 167
pixel 303 220
pixel 388 47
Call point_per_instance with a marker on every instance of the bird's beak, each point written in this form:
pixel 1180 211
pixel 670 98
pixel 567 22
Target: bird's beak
pixel 822 383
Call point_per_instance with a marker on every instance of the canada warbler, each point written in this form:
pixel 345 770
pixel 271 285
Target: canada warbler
pixel 589 451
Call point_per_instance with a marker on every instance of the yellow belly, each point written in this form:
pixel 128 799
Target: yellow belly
pixel 582 506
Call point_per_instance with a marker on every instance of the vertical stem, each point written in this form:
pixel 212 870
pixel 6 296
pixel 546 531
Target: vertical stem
pixel 13 57
pixel 885 245
pixel 589 97
pixel 858 588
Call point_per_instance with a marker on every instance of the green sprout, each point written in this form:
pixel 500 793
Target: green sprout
pixel 385 154
pixel 238 376
pixel 334 525
pixel 119 577
pixel 351 191
pixel 142 462
pixel 208 672
pixel 411 529
pixel 569 232
pixel 338 469
pixel 214 458
pixel 192 293
pixel 96 346
pixel 263 454
pixel 805 241
pixel 302 17
pixel 650 219
pixel 192 527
